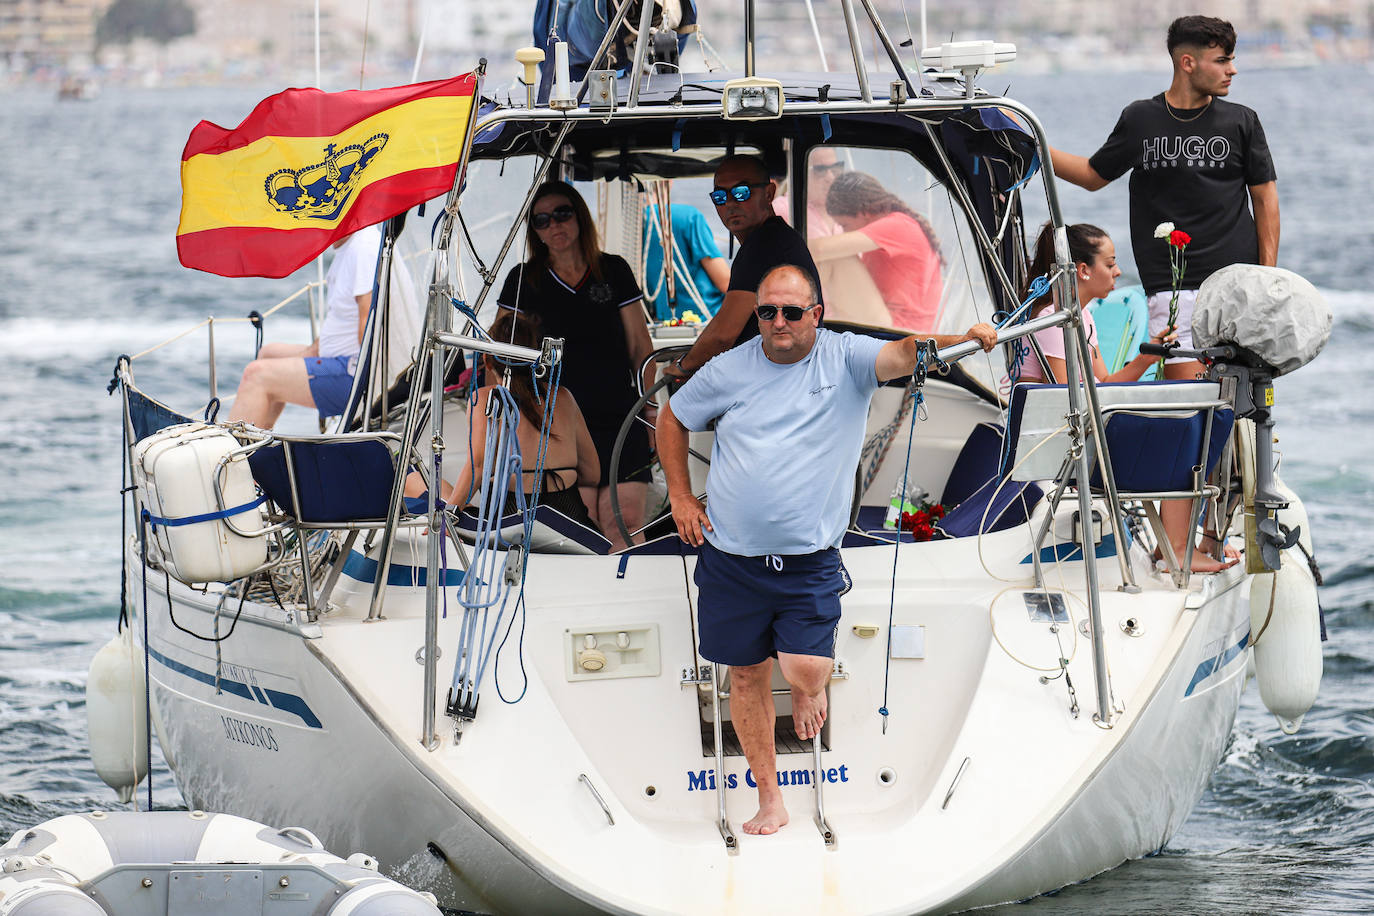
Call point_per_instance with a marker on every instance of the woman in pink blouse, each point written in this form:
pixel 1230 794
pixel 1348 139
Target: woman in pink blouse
pixel 896 244
pixel 1095 269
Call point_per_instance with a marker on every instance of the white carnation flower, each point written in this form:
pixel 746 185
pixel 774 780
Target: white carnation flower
pixel 1163 230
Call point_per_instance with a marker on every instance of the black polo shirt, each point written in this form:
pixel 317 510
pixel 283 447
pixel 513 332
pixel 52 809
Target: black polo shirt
pixel 772 244
pixel 597 367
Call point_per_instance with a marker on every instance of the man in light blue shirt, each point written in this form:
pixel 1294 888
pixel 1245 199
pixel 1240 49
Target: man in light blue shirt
pixel 790 408
pixel 697 264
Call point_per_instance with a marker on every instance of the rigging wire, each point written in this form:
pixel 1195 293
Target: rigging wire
pixel 816 31
pixel 918 399
pixel 362 61
pixel 420 46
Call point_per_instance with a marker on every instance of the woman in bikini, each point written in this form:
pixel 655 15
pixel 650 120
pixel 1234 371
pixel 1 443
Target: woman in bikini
pixel 571 466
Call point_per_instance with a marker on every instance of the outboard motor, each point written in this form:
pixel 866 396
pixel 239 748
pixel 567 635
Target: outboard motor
pixel 1251 325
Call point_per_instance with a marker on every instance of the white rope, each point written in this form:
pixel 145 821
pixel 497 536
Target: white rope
pixel 681 268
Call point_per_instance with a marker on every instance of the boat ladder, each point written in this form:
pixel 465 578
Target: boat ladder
pixel 818 780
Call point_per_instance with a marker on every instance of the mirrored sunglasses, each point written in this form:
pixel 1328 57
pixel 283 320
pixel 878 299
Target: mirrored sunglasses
pixel 556 215
pixel 789 312
pixel 740 192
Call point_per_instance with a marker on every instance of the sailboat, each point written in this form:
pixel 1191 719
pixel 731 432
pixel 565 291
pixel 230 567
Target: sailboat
pixel 509 714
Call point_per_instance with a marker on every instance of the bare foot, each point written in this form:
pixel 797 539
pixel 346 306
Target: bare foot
pixel 808 713
pixel 1203 563
pixel 771 818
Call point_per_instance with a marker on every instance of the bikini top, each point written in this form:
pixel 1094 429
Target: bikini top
pixel 551 474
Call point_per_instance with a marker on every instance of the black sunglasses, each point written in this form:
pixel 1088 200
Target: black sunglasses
pixel 556 215
pixel 789 312
pixel 740 192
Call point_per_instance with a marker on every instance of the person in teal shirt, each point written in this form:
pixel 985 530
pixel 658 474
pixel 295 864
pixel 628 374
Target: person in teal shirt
pixel 697 262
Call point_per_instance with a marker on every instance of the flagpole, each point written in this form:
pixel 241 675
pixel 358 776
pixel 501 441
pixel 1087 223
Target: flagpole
pixel 438 314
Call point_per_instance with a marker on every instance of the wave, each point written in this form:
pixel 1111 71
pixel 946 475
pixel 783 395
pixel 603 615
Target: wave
pixel 1353 310
pixel 42 339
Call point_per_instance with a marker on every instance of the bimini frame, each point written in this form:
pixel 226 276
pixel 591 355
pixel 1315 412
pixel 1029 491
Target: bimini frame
pixel 1084 417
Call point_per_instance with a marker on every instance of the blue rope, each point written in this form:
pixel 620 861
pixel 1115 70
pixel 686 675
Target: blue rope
pixel 486 595
pixel 555 381
pixel 1038 288
pixel 918 400
pixel 466 311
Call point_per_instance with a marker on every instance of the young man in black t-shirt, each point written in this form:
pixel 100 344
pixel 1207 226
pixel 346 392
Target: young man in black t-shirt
pixel 1196 161
pixel 766 241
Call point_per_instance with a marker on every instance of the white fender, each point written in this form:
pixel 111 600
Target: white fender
pixel 116 717
pixel 1287 649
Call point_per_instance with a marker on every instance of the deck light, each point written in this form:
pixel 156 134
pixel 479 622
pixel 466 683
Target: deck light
pixel 752 99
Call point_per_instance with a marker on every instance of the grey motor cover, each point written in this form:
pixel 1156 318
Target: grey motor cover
pixel 1271 311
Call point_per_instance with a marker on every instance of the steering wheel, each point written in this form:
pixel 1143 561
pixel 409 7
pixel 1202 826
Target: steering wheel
pixel 664 355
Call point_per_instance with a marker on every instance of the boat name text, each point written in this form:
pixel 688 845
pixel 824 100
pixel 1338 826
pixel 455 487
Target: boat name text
pixel 248 733
pixel 705 780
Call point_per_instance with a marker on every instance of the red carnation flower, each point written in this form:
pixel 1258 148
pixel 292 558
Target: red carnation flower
pixel 1178 238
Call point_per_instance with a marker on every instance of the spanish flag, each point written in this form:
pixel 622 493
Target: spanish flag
pixel 307 168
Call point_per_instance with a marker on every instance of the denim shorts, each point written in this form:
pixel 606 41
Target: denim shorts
pixel 752 608
pixel 330 383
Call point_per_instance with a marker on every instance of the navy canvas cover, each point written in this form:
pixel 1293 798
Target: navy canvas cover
pixel 148 416
pixel 337 481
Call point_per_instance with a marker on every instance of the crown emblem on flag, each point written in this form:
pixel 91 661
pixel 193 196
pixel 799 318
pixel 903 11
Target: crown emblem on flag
pixel 322 190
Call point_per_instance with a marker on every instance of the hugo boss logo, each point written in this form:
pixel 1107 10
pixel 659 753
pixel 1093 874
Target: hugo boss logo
pixel 1161 152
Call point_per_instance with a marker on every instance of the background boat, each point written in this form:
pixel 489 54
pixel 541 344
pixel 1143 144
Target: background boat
pixel 92 273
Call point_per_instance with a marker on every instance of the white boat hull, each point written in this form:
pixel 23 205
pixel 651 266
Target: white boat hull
pixel 320 725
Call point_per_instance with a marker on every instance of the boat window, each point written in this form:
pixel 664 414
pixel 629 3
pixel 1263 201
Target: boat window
pixel 892 246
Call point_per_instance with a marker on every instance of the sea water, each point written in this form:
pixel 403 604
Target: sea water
pixel 88 271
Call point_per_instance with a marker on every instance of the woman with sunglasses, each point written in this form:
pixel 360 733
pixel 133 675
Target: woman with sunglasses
pixel 823 167
pixel 591 300
pixel 896 244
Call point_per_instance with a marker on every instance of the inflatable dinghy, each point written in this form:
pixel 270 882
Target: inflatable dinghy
pixel 172 863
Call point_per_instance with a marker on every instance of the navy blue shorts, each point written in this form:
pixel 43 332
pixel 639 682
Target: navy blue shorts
pixel 751 608
pixel 330 383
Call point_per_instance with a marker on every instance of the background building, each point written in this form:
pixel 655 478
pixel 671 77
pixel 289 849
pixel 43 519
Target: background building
pixel 274 41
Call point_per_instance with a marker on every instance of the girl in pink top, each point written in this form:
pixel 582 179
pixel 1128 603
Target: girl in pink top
pixel 897 246
pixel 1095 269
